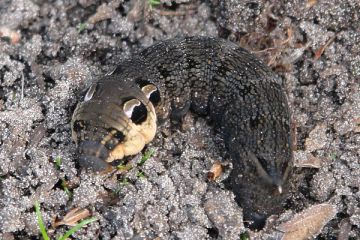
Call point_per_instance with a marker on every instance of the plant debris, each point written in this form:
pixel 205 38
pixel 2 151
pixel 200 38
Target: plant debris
pixel 308 223
pixel 72 217
pixel 215 171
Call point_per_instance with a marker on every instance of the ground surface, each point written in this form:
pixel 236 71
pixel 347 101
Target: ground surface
pixel 50 51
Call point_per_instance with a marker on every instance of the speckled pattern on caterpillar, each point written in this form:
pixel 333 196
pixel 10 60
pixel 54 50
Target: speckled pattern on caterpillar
pixel 209 76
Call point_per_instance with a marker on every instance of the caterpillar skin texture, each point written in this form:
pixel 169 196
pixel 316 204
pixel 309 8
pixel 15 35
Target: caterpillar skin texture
pixel 208 76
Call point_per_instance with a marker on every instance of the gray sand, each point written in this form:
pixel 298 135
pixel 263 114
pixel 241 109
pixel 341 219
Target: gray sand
pixel 57 49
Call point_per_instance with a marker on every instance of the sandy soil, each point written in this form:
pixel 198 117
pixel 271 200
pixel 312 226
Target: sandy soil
pixel 49 53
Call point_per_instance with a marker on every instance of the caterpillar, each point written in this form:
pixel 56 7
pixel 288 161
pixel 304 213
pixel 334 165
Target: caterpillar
pixel 210 77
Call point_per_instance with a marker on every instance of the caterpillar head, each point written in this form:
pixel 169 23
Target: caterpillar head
pixel 116 119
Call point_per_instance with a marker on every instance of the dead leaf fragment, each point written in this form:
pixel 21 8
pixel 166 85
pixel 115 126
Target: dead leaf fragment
pixel 137 11
pixel 104 11
pixel 311 3
pixel 172 13
pixel 7 33
pixel 305 159
pixel 290 34
pixel 320 51
pixel 215 171
pixel 317 138
pixel 72 217
pixel 308 223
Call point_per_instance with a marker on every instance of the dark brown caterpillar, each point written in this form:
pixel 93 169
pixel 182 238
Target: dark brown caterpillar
pixel 209 76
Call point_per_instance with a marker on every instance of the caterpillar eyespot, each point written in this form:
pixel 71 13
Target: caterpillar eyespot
pixel 152 93
pixel 135 110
